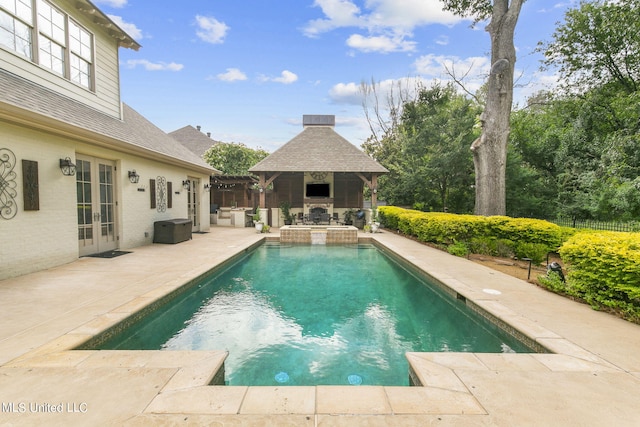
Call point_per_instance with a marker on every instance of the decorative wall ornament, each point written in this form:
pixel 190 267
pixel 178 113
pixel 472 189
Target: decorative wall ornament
pixel 30 185
pixel 161 194
pixel 318 176
pixel 8 193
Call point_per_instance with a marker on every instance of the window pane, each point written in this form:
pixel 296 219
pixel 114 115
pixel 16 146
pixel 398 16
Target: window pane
pixel 23 11
pixel 51 22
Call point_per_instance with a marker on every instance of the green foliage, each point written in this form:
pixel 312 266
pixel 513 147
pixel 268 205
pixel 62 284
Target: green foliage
pixel 605 270
pixel 233 159
pixel 599 42
pixel 495 234
pixel 537 252
pixel 427 153
pixel 458 249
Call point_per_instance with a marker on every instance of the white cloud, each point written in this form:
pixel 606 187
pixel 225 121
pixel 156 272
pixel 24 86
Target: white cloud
pixel 442 40
pixel 397 89
pixel 286 77
pixel 127 27
pixel 388 22
pixel 232 75
pixel 472 71
pixel 211 30
pixel 383 44
pixel 112 3
pixel 154 66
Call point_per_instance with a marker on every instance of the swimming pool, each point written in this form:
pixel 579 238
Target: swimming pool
pixel 311 315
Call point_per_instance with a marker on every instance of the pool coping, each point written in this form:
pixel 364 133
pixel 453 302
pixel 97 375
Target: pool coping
pixel 199 377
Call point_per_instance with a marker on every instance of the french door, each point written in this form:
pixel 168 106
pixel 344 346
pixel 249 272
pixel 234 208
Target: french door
pixel 193 204
pixel 96 205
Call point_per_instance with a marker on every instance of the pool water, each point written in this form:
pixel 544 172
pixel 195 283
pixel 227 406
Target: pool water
pixel 312 315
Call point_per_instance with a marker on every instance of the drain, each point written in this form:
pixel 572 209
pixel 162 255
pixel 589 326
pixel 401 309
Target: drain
pixel 354 379
pixel 282 377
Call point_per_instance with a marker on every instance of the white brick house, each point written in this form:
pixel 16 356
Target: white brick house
pixel 60 101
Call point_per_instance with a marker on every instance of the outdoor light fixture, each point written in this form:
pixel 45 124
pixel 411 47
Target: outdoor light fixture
pixel 185 185
pixel 134 177
pixel 67 167
pixel 375 191
pixel 207 187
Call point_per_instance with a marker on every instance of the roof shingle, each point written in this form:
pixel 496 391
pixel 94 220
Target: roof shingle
pixel 318 149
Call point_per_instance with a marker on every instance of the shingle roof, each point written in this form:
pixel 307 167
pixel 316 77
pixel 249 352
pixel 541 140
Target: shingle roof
pixel 193 139
pixel 318 149
pixel 133 131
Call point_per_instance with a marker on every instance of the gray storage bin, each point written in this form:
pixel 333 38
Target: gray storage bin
pixel 172 231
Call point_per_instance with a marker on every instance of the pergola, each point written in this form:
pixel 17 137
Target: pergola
pixel 318 168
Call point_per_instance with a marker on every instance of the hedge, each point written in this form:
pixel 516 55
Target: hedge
pixel 604 270
pixel 447 229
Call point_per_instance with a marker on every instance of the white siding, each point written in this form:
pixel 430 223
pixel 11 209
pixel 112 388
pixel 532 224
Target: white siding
pixel 37 240
pixel 106 95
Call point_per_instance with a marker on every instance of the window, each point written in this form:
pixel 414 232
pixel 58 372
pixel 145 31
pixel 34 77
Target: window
pixel 80 55
pixel 62 45
pixel 16 21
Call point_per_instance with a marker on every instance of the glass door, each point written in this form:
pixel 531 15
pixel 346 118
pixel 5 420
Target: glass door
pixel 193 204
pixel 96 205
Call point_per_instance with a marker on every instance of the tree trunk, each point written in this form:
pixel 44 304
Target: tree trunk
pixel 490 150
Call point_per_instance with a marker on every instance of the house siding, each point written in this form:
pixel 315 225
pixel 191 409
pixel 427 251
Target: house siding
pixel 105 95
pixel 37 240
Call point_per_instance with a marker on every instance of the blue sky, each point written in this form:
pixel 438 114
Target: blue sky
pixel 247 70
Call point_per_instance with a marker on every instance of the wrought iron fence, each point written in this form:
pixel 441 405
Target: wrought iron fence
pixel 597 225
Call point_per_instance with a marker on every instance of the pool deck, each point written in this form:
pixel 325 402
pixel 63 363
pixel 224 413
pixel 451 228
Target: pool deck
pixel 593 379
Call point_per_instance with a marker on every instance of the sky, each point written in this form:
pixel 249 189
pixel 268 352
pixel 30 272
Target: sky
pixel 248 70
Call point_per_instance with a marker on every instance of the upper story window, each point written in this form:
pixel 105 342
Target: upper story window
pixel 53 39
pixel 16 22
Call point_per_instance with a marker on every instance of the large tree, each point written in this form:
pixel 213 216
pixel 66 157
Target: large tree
pixel 233 159
pixel 598 44
pixel 427 152
pixel 490 149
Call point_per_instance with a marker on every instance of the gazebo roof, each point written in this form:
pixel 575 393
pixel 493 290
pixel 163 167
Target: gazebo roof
pixel 318 148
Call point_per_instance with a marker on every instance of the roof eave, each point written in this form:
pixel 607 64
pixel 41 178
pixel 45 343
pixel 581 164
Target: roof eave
pixel 100 18
pixel 41 122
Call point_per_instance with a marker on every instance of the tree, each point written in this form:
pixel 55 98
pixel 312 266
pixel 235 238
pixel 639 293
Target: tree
pixel 599 43
pixel 427 152
pixel 233 159
pixel 490 149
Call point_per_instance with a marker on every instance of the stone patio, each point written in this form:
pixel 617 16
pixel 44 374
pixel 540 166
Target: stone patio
pixel 591 379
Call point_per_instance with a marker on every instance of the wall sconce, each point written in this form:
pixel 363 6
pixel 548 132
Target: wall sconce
pixel 67 167
pixel 186 185
pixel 134 177
pixel 261 190
pixel 207 187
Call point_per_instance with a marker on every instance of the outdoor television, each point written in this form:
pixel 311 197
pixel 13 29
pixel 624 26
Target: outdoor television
pixel 318 190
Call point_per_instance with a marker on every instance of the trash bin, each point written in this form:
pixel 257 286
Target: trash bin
pixel 172 231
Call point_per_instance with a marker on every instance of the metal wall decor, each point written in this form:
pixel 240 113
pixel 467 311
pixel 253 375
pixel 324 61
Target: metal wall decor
pixel 161 194
pixel 8 193
pixel 318 176
pixel 30 185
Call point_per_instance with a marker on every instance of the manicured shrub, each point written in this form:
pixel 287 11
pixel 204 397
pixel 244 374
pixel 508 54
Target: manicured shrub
pixel 537 252
pixel 458 249
pixel 604 270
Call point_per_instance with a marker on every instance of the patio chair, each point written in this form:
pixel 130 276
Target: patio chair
pixel 325 218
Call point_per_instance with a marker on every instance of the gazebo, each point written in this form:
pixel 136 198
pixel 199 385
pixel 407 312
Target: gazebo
pixel 317 171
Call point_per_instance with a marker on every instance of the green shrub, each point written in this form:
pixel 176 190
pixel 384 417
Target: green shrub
pixel 537 252
pixel 505 248
pixel 605 270
pixel 458 249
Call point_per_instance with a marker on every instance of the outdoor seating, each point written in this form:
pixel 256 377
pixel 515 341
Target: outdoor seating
pixel 325 218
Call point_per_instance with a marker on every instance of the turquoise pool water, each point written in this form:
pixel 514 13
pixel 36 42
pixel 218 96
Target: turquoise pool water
pixel 311 315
